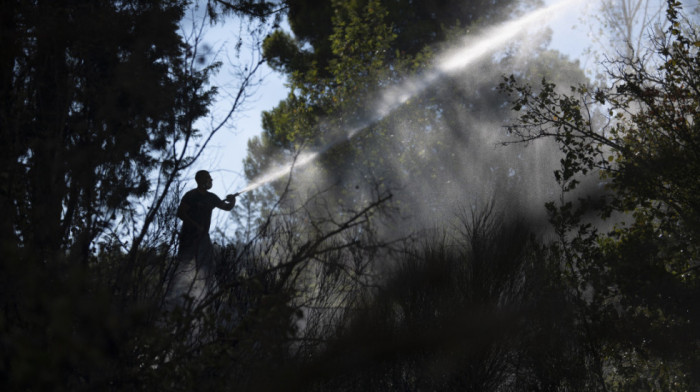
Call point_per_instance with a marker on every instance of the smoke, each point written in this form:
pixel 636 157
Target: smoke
pixel 434 139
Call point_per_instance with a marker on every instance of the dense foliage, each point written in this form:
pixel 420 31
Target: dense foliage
pixel 97 111
pixel 90 98
pixel 638 282
pixel 379 266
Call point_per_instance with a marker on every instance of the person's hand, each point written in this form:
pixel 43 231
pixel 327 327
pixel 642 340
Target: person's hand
pixel 231 198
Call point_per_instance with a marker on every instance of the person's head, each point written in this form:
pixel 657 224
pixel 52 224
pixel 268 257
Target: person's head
pixel 203 179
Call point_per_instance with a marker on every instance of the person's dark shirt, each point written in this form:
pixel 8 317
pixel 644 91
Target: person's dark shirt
pixel 200 206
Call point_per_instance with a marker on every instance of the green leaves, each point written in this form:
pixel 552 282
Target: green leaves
pixel 645 146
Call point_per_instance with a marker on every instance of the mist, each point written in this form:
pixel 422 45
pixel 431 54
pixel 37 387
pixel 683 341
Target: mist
pixel 442 134
pixel 400 239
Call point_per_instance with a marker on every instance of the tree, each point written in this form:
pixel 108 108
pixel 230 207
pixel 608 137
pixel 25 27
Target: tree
pixel 628 22
pixel 625 27
pixel 72 103
pixel 99 102
pixel 436 147
pixel 415 23
pixel 638 280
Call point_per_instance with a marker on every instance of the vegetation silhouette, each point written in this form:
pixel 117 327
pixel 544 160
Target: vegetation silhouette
pixel 98 105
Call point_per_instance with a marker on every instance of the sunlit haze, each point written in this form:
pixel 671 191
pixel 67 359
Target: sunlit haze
pixel 467 52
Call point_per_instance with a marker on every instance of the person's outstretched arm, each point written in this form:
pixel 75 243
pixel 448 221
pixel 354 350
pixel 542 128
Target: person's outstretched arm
pixel 228 203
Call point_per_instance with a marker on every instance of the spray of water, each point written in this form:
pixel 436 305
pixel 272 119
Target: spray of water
pixel 469 52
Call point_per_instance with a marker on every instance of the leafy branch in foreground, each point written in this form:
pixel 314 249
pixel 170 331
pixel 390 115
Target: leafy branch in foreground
pixel 641 136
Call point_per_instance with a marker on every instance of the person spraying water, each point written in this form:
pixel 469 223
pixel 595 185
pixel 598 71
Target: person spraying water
pixel 195 212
